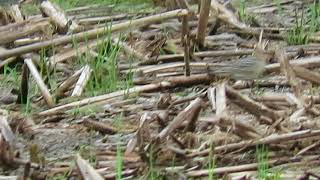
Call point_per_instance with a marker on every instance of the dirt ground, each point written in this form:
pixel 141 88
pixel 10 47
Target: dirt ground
pixel 155 122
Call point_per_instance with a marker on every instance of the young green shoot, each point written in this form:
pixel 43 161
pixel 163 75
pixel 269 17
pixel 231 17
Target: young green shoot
pixel 314 17
pixel 298 34
pixel 262 158
pixel 119 162
pixel 104 77
pixel 10 76
pixel 48 75
pixel 211 163
pixel 119 158
pixel 152 172
pixel 128 79
pixel 264 171
pixel 243 15
pixel 242 11
pixel 27 108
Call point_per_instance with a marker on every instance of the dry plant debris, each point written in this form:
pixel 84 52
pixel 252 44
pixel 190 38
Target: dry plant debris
pixel 191 89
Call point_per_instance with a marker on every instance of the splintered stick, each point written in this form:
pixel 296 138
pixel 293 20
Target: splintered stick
pixel 82 81
pixel 169 83
pixel 68 83
pixel 43 88
pixel 86 170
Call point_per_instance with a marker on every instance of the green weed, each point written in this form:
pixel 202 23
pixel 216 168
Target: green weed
pixel 182 94
pixel 275 175
pixel 104 77
pixel 11 76
pixel 262 157
pixel 119 157
pixel 128 83
pixel 305 26
pixel 76 111
pixel 173 162
pixel 264 171
pixel 299 33
pixel 242 11
pixel 128 78
pixel 119 162
pixel 27 108
pixel 48 76
pixel 153 174
pixel 314 16
pixel 243 15
pixel 211 163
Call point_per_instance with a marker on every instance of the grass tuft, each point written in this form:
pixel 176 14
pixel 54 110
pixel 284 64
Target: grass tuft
pixel 119 156
pixel 243 15
pixel 314 16
pixel 152 174
pixel 262 157
pixel 211 163
pixel 104 78
pixel 299 33
pixel 305 26
pixel 264 172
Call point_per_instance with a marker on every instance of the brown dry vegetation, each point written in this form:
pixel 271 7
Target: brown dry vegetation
pixel 171 89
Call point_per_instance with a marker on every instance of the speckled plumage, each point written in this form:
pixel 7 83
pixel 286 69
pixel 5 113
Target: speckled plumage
pixel 247 68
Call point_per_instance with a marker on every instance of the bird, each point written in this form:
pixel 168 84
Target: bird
pixel 248 68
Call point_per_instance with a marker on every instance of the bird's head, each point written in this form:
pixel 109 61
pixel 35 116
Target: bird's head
pixel 261 51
